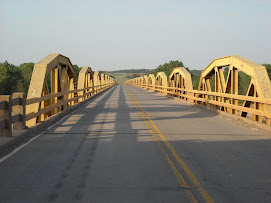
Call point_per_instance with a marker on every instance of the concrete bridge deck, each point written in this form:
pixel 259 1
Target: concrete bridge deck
pixel 130 145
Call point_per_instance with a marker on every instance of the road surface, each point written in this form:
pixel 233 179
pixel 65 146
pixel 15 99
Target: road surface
pixel 131 145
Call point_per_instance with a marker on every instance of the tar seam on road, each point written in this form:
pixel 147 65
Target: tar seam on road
pixel 192 177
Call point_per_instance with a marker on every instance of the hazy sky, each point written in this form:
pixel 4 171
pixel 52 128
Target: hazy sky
pixel 112 35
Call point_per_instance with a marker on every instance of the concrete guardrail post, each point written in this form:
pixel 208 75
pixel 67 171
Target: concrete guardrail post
pixel 5 114
pixel 19 109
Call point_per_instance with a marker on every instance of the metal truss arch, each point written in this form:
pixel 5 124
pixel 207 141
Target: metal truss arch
pixel 141 80
pixel 260 85
pixel 85 80
pixel 145 81
pixel 97 80
pixel 161 81
pixel 180 78
pixel 63 78
pixel 151 81
pixel 103 79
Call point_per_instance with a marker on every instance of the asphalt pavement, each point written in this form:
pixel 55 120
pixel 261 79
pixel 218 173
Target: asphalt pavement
pixel 132 145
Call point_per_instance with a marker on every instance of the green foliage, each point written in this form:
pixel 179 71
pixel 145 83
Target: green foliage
pixel 226 72
pixel 167 67
pixel 77 70
pixel 151 72
pixel 268 68
pixel 196 72
pixel 243 83
pixel 26 71
pixel 195 80
pixel 17 78
pixel 10 77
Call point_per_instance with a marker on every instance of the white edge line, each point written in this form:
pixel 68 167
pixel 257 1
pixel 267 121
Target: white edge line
pixel 254 128
pixel 29 141
pixel 19 148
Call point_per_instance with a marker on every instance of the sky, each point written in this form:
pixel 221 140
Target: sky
pixel 114 35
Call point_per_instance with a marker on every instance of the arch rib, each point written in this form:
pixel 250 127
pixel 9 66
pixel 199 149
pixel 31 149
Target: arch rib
pixel 85 80
pixel 260 85
pixel 63 78
pixel 161 82
pixel 180 78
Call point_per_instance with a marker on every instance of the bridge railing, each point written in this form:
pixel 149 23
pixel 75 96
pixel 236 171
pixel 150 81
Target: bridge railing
pixel 12 113
pixel 256 104
pixel 223 97
pixel 18 112
pixel 73 100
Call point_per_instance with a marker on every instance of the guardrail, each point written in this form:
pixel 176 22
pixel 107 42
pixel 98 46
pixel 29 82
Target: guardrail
pixel 12 108
pixel 256 104
pixel 208 99
pixel 12 113
pixel 45 100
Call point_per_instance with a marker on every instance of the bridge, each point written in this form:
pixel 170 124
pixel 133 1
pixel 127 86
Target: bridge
pixel 153 139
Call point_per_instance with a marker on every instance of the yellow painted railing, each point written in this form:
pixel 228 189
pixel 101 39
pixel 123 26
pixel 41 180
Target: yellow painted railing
pixel 53 88
pixel 256 104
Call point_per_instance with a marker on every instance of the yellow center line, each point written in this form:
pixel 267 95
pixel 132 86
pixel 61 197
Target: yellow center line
pixel 192 177
pixel 175 170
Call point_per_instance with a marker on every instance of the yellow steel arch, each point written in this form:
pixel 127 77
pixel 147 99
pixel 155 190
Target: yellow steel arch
pixel 85 79
pixel 259 85
pixel 97 80
pixel 107 79
pixel 151 81
pixel 180 78
pixel 145 81
pixel 161 80
pixel 102 78
pixel 141 79
pixel 63 78
pixel 138 80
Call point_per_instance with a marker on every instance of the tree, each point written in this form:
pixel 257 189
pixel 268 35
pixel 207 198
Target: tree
pixel 268 68
pixel 243 83
pixel 10 77
pixel 77 70
pixel 195 80
pixel 26 71
pixel 167 67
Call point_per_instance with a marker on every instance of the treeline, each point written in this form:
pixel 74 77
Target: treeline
pixel 17 78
